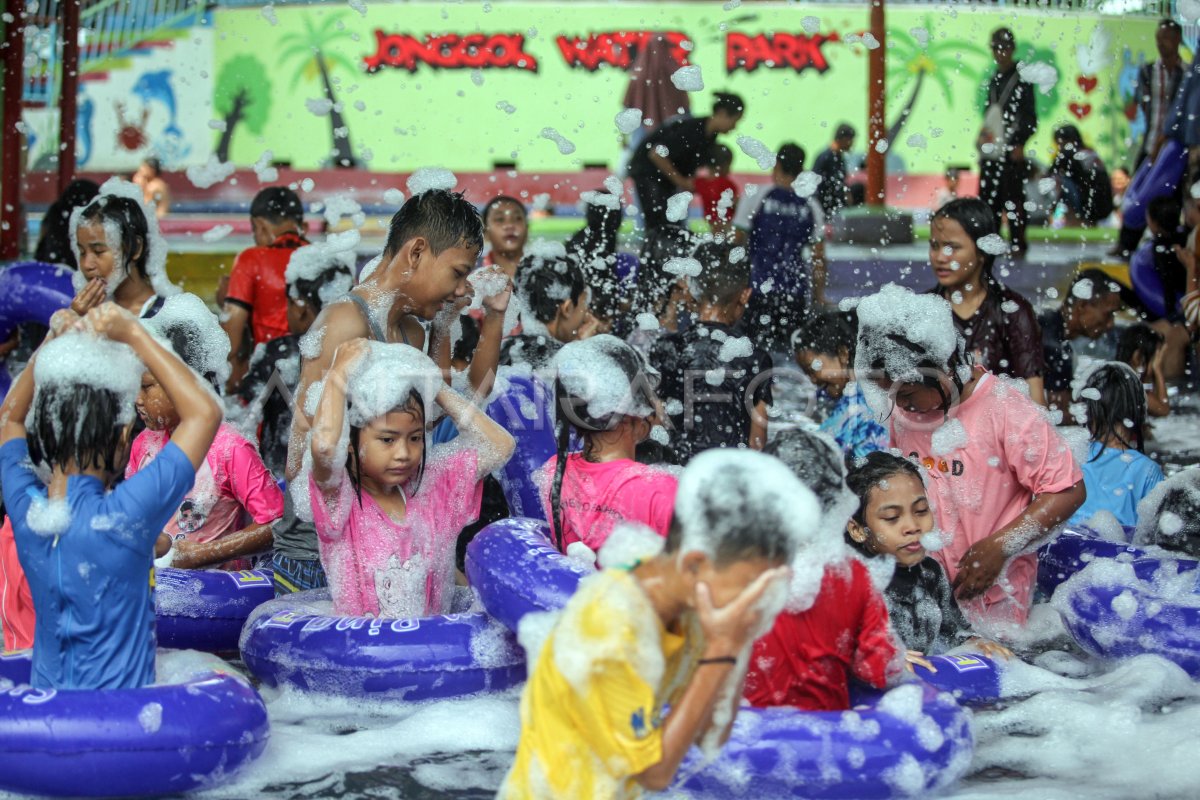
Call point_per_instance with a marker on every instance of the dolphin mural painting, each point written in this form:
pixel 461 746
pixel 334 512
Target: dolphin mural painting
pixel 156 87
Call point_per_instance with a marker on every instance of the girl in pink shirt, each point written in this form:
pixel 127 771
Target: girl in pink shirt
pixel 1000 473
pixel 604 392
pixel 387 511
pixel 227 515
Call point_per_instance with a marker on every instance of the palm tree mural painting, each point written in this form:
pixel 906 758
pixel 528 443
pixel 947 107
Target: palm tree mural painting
pixel 313 50
pixel 935 59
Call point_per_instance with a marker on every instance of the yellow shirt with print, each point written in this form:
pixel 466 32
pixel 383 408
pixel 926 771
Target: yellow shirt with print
pixel 588 737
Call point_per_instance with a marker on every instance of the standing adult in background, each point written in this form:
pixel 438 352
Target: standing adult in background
pixel 257 294
pixel 665 163
pixel 1009 119
pixel 831 166
pixel 154 189
pixel 1157 89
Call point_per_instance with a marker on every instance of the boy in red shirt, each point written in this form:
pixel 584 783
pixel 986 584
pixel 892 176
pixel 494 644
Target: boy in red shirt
pixel 808 656
pixel 718 206
pixel 257 294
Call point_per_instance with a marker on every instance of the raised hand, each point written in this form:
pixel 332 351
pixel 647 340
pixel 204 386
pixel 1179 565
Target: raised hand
pixel 979 568
pixel 112 322
pixel 728 629
pixel 90 296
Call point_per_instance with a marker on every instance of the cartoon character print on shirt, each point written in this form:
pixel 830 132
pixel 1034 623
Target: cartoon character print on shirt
pixel 400 587
pixel 195 509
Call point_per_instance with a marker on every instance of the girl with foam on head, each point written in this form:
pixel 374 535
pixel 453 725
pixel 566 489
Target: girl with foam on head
pixel 603 392
pixel 88 547
pixel 227 516
pixel 892 521
pixel 1002 475
pixel 1117 473
pixel 387 510
pixel 121 254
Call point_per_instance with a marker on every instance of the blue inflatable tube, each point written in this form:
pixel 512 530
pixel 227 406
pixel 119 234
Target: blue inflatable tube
pixel 1074 548
pixel 127 742
pixel 205 609
pixel 1147 283
pixel 514 570
pixel 1119 608
pixel 31 291
pixel 1159 178
pixel 295 641
pixel 524 410
pixel 908 742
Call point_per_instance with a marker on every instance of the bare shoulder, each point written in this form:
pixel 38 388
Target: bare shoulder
pixel 337 324
pixel 414 331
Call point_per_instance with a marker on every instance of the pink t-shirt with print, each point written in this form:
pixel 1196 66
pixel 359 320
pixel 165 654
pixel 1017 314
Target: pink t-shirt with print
pixel 1010 453
pixel 379 567
pixel 597 496
pixel 231 485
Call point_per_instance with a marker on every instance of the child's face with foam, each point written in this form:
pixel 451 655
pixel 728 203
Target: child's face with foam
pixel 896 516
pixel 436 280
pixel 390 449
pixel 725 582
pixel 829 371
pixel 153 405
pixel 97 255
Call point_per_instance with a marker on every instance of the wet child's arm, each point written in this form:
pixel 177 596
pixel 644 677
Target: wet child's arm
pixel 16 405
pixel 981 564
pixel 246 542
pixel 337 324
pixel 727 631
pixel 758 426
pixel 328 456
pixel 493 444
pixel 486 359
pixel 198 409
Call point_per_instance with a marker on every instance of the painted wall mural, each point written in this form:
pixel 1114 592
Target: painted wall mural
pixel 395 86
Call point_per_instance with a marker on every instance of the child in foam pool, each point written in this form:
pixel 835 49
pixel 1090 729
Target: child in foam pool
pixel 1002 476
pixel 892 519
pixel 604 391
pixel 387 513
pixel 88 552
pixel 646 658
pixel 227 516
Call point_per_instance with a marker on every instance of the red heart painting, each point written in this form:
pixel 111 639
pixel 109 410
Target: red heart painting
pixel 1080 110
pixel 1088 84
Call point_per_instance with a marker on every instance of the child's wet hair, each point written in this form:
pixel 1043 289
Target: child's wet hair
pixel 1122 399
pixel 185 342
pixel 976 218
pixel 129 219
pixel 444 219
pixel 721 279
pixel 1138 338
pixel 276 205
pixel 1099 286
pixel 77 425
pixel 1182 500
pixel 309 291
pixel 790 159
pixel 720 156
pixel 572 410
pixel 728 103
pixel 926 365
pixel 415 406
pixel 497 200
pixel 1165 212
pixel 828 333
pixel 726 516
pixel 812 459
pixel 868 472
pixel 465 346
pixel 545 283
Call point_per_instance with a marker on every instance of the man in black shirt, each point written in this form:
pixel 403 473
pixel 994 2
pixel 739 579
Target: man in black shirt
pixel 831 166
pixel 1010 118
pixel 716 383
pixel 665 163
